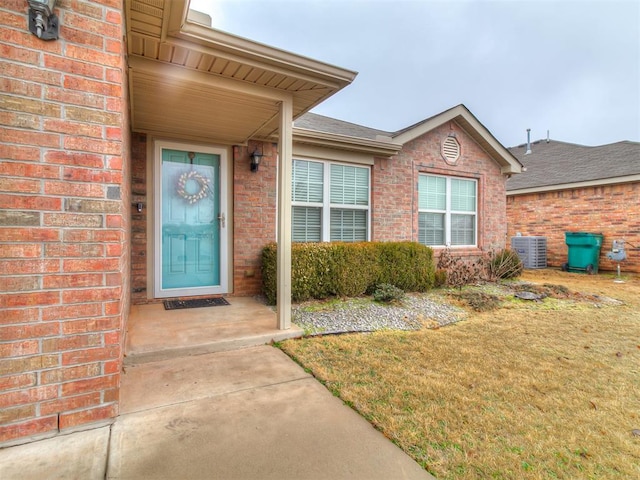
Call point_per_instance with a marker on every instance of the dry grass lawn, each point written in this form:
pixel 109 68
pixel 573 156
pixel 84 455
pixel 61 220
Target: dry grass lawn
pixel 530 390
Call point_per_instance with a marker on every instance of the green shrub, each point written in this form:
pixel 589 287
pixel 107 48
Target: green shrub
pixel 270 272
pixel 440 278
pixel 321 270
pixel 354 268
pixel 407 265
pixel 387 293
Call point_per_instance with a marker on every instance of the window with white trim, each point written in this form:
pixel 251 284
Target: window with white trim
pixel 330 202
pixel 447 211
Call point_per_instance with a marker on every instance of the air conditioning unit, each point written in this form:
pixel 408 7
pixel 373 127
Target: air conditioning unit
pixel 531 250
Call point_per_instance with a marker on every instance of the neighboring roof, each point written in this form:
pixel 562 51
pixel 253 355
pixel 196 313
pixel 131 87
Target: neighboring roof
pixel 459 114
pixel 554 165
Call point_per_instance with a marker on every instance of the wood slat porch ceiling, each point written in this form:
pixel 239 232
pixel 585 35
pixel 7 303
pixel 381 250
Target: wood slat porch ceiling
pixel 201 112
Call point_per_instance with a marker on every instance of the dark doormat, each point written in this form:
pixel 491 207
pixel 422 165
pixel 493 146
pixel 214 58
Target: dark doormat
pixel 195 303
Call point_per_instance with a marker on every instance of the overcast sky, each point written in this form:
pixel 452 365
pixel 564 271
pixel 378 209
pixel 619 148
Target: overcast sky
pixel 571 67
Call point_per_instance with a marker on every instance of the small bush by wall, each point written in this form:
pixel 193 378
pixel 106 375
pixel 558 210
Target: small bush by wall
pixel 504 264
pixel 386 293
pixel 455 271
pixel 321 270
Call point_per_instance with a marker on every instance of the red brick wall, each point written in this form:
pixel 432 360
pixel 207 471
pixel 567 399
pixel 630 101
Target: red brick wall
pixel 254 216
pixel 611 210
pixel 139 219
pixel 64 228
pixel 393 183
pixel 395 196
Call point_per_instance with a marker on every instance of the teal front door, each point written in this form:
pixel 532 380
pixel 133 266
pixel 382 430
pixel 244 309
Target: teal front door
pixel 190 223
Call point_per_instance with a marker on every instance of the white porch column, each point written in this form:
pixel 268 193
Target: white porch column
pixel 285 160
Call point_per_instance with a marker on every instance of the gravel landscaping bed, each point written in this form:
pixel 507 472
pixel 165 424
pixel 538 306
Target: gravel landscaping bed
pixel 363 315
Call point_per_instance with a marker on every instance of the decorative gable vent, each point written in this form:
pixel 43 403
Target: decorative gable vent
pixel 450 150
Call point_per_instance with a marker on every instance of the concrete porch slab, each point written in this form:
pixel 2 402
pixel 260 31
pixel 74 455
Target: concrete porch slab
pixel 156 334
pixel 76 455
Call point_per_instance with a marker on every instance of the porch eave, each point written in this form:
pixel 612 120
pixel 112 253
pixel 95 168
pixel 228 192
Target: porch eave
pixel 164 34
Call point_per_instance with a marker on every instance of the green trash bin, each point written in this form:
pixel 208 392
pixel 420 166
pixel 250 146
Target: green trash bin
pixel 584 251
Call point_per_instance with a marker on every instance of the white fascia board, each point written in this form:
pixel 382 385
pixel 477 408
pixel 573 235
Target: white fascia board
pixel 427 126
pixel 569 186
pixel 179 26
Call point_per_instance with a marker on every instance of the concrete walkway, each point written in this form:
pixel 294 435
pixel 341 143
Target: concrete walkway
pixel 242 414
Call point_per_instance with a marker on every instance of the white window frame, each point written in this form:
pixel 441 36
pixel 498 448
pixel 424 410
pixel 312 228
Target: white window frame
pixel 326 205
pixel 448 211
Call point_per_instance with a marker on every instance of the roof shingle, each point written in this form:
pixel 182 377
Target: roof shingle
pixel 312 122
pixel 560 163
pixel 320 123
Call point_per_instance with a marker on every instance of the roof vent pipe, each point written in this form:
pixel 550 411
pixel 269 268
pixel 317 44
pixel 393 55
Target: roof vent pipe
pixel 548 136
pixel 528 142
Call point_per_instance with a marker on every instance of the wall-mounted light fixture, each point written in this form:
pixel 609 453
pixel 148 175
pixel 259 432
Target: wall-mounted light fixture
pixel 255 160
pixel 42 21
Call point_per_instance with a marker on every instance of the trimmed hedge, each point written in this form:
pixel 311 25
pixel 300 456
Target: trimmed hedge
pixel 322 270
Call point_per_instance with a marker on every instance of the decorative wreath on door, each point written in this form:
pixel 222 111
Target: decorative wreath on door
pixel 200 180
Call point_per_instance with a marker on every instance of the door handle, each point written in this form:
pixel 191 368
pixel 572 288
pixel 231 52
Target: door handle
pixel 221 219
